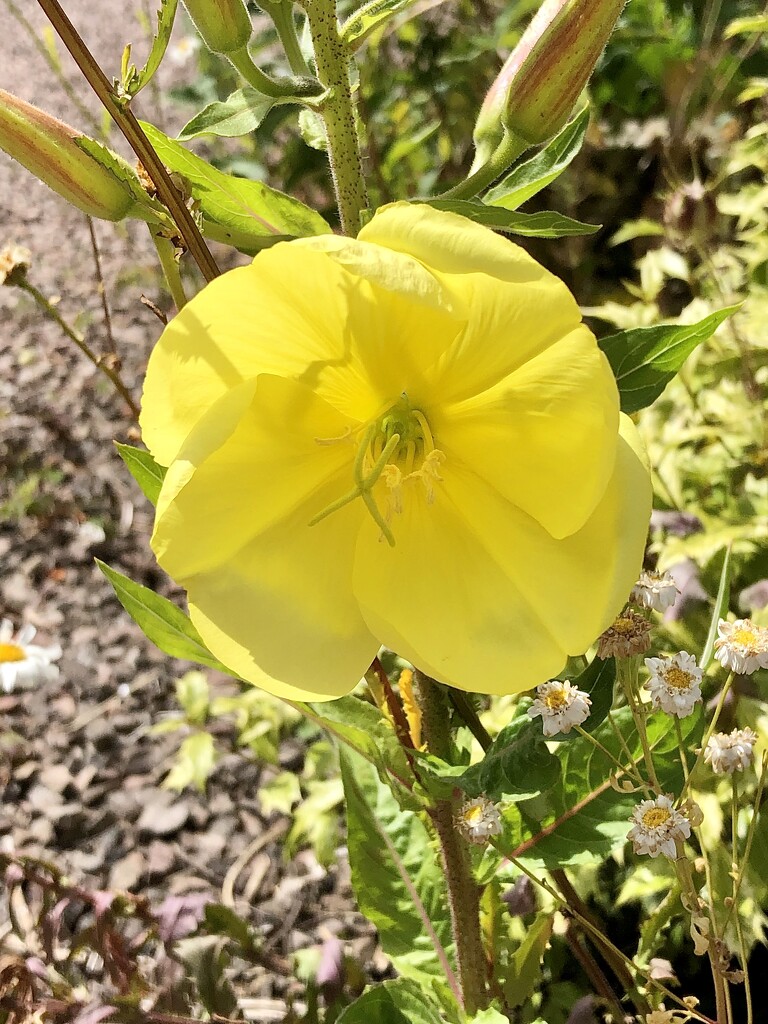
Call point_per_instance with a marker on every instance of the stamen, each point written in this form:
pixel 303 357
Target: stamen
pixel 421 419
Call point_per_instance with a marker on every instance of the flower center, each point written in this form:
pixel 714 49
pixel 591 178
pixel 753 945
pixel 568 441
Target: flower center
pixel 11 652
pixel 624 627
pixel 396 448
pixel 744 637
pixel 473 815
pixel 678 679
pixel 556 699
pixel 656 817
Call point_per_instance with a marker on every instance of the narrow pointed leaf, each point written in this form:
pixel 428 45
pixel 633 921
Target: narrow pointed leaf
pixel 719 611
pixel 545 224
pixel 239 114
pixel 144 470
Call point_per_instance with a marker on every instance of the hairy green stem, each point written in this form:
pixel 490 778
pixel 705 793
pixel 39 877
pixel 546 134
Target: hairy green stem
pixel 463 891
pixel 626 670
pixel 171 271
pixel 338 114
pixel 281 13
pixel 505 155
pixel 264 83
pixel 132 131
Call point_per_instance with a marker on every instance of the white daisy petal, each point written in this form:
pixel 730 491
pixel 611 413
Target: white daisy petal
pixel 22 663
pixel 730 752
pixel 658 827
pixel 561 705
pixel 655 590
pixel 478 820
pixel 675 683
pixel 741 646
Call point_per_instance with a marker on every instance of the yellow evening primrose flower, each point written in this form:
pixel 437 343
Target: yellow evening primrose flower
pixel 408 439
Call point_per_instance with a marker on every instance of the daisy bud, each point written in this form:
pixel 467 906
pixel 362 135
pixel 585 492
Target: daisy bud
pixel 14 262
pixel 535 91
pixel 741 646
pixel 654 590
pixel 478 820
pixel 48 148
pixel 225 25
pixel 730 752
pixel 561 706
pixel 658 827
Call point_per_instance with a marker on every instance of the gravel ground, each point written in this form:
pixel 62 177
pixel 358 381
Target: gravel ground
pixel 81 785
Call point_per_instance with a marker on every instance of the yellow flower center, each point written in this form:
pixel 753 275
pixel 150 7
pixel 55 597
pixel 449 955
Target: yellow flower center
pixel 744 636
pixel 555 699
pixel 678 678
pixel 624 626
pixel 396 448
pixel 473 815
pixel 11 652
pixel 656 817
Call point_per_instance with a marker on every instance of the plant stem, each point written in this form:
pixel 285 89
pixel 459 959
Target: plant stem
pixel 463 891
pixel 626 670
pixel 507 152
pixel 264 83
pixel 338 114
pixel 132 131
pixel 710 730
pixel 98 361
pixel 167 256
pixel 281 13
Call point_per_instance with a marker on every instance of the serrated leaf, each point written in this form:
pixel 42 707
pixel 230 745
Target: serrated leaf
pixel 119 168
pixel 645 359
pixel 397 878
pixel 394 1002
pixel 248 214
pixel 239 114
pixel 144 470
pixel 541 170
pixel 545 224
pixel 134 81
pixel 517 764
pixel 160 620
pixel 195 760
pixel 371 16
pixel 719 611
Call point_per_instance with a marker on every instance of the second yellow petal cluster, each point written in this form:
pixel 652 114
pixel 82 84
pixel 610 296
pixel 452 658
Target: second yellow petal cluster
pixel 408 439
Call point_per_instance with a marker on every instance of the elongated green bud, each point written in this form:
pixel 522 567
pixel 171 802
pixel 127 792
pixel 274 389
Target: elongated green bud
pixel 544 75
pixel 224 25
pixel 49 149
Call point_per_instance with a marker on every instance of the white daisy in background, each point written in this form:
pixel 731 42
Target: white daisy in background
pixel 478 820
pixel 655 590
pixel 184 50
pixel 741 646
pixel 561 706
pixel 675 683
pixel 658 827
pixel 21 663
pixel 729 752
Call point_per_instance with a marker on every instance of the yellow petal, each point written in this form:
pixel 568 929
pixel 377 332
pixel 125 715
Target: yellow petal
pixel 224 490
pixel 514 307
pixel 577 585
pixel 281 612
pixel 296 312
pixel 546 431
pixel 441 600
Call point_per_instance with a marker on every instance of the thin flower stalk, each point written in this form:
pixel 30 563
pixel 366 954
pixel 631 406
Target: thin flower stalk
pixel 710 730
pixel 627 671
pixel 735 874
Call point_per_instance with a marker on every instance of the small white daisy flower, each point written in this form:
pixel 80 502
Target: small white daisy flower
pixel 478 820
pixel 561 706
pixel 184 50
pixel 655 590
pixel 675 683
pixel 21 663
pixel 657 827
pixel 730 752
pixel 741 646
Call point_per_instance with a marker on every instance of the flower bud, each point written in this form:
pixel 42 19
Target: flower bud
pixel 544 75
pixel 225 25
pixel 48 148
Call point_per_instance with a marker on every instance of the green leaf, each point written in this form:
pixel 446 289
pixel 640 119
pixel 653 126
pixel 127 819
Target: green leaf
pixel 492 1016
pixel 371 16
pixel 517 763
pixel 361 726
pixel 239 114
pixel 133 80
pixel 222 920
pixel 644 360
pixel 545 224
pixel 146 208
pixel 160 620
pixel 541 170
pixel 746 26
pixel 525 963
pixel 719 611
pixel 248 214
pixel 398 881
pixel 194 696
pixel 394 1002
pixel 195 761
pixel 144 470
